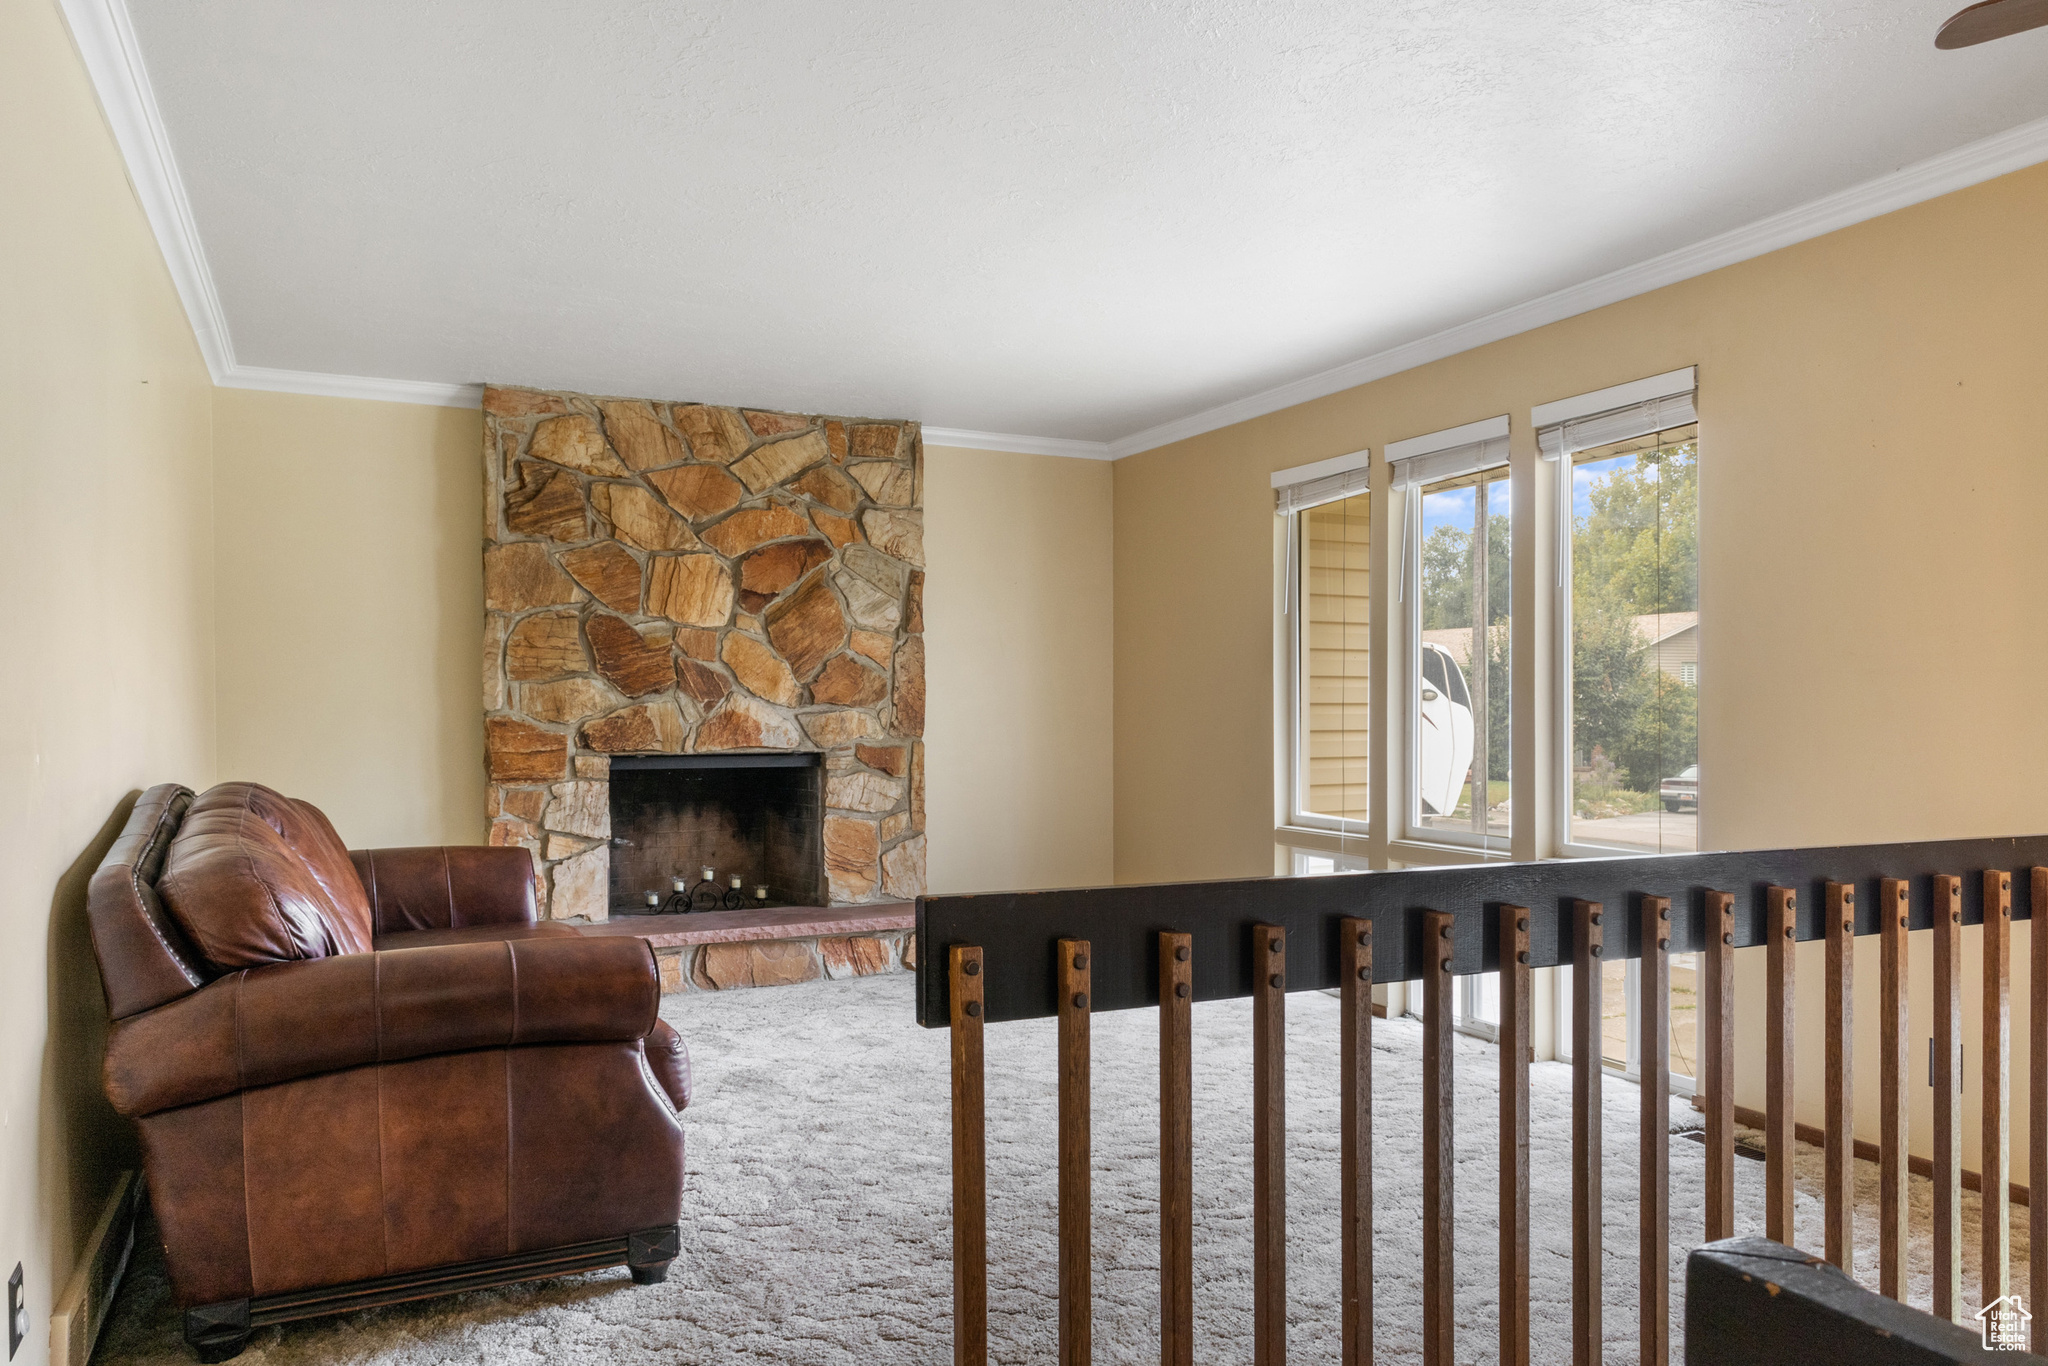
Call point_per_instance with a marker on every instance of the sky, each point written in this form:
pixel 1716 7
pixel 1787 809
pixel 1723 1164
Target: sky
pixel 1454 507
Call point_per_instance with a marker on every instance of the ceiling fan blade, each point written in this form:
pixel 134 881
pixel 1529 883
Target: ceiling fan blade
pixel 1980 23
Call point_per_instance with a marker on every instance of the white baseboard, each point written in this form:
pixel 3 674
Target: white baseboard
pixel 82 1310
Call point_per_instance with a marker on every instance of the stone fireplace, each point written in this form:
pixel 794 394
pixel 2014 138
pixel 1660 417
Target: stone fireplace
pixel 666 581
pixel 756 817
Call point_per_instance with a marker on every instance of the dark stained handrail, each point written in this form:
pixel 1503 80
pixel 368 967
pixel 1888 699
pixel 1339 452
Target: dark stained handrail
pixel 1015 930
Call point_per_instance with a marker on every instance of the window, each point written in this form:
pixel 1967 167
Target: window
pixel 1329 534
pixel 1456 597
pixel 1629 621
pixel 1620 1038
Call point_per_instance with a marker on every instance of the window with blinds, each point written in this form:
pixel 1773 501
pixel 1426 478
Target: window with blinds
pixel 1628 615
pixel 1456 600
pixel 1333 648
pixel 1327 509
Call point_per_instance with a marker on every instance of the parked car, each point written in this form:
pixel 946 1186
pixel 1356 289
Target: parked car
pixel 1683 792
pixel 1445 760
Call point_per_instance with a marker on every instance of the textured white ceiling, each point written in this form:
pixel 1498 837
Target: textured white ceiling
pixel 1065 219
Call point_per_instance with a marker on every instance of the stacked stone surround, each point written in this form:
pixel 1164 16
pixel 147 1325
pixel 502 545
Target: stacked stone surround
pixel 684 578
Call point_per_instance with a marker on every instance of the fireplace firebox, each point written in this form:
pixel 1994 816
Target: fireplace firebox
pixel 757 817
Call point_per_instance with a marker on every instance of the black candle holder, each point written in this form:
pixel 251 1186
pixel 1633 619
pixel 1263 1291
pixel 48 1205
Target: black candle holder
pixel 705 896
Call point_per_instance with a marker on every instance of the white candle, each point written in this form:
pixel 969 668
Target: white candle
pixel 711 875
pixel 735 882
pixel 760 894
pixel 680 885
pixel 654 898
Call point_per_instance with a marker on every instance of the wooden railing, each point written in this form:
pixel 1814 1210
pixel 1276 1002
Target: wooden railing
pixel 988 959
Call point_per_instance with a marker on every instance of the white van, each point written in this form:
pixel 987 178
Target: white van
pixel 1445 759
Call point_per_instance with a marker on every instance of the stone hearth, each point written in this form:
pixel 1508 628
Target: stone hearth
pixel 723 950
pixel 683 578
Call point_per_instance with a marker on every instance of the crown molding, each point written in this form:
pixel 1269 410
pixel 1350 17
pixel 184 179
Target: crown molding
pixel 352 386
pixel 1011 441
pixel 106 42
pixel 1971 164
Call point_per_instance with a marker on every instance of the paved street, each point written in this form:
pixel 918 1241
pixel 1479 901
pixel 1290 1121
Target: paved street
pixel 1660 832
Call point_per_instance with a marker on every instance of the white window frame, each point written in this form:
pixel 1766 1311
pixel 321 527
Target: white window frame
pixel 1300 859
pixel 1631 1068
pixel 1299 490
pixel 1492 432
pixel 1672 385
pixel 1465 1018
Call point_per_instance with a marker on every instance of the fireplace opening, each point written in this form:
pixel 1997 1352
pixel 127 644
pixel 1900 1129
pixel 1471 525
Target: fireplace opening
pixel 757 817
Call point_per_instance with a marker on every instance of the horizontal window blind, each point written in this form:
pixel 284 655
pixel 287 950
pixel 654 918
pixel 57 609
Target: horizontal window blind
pixel 1449 454
pixel 1640 417
pixel 1326 481
pixel 1470 458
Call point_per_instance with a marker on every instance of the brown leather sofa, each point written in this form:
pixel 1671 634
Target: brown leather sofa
pixel 367 1077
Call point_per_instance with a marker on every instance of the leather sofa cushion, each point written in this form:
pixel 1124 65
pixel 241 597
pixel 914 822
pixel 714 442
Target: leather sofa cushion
pixel 274 1024
pixel 255 878
pixel 444 888
pixel 477 934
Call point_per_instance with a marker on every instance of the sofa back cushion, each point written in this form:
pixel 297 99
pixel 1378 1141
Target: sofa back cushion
pixel 255 877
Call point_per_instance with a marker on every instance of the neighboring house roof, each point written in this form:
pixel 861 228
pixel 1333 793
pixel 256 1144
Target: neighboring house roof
pixel 1653 628
pixel 1456 642
pixel 1657 627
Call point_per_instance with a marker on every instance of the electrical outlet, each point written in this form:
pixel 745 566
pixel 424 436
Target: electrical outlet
pixel 17 1314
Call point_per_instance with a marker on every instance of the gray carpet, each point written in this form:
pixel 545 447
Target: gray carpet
pixel 816 1224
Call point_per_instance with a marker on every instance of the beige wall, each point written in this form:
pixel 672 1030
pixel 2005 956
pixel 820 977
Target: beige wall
pixel 1873 469
pixel 106 684
pixel 350 574
pixel 351 612
pixel 1019 624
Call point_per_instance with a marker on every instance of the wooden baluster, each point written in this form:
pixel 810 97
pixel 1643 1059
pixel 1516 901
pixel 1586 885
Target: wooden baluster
pixel 970 1160
pixel 1515 1043
pixel 1587 1003
pixel 1945 1072
pixel 1355 1179
pixel 1654 1141
pixel 1995 1073
pixel 1077 1256
pixel 1782 909
pixel 1894 1070
pixel 2037 1105
pixel 1838 1142
pixel 1176 1151
pixel 1717 1054
pixel 1438 1161
pixel 1269 1145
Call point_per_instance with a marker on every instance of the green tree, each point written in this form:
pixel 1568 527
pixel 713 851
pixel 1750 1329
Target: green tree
pixel 1634 554
pixel 1665 738
pixel 1639 548
pixel 1610 668
pixel 1499 685
pixel 1447 575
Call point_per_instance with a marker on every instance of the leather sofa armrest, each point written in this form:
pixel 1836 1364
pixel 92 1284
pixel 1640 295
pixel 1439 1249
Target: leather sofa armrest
pixel 446 887
pixel 271 1024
